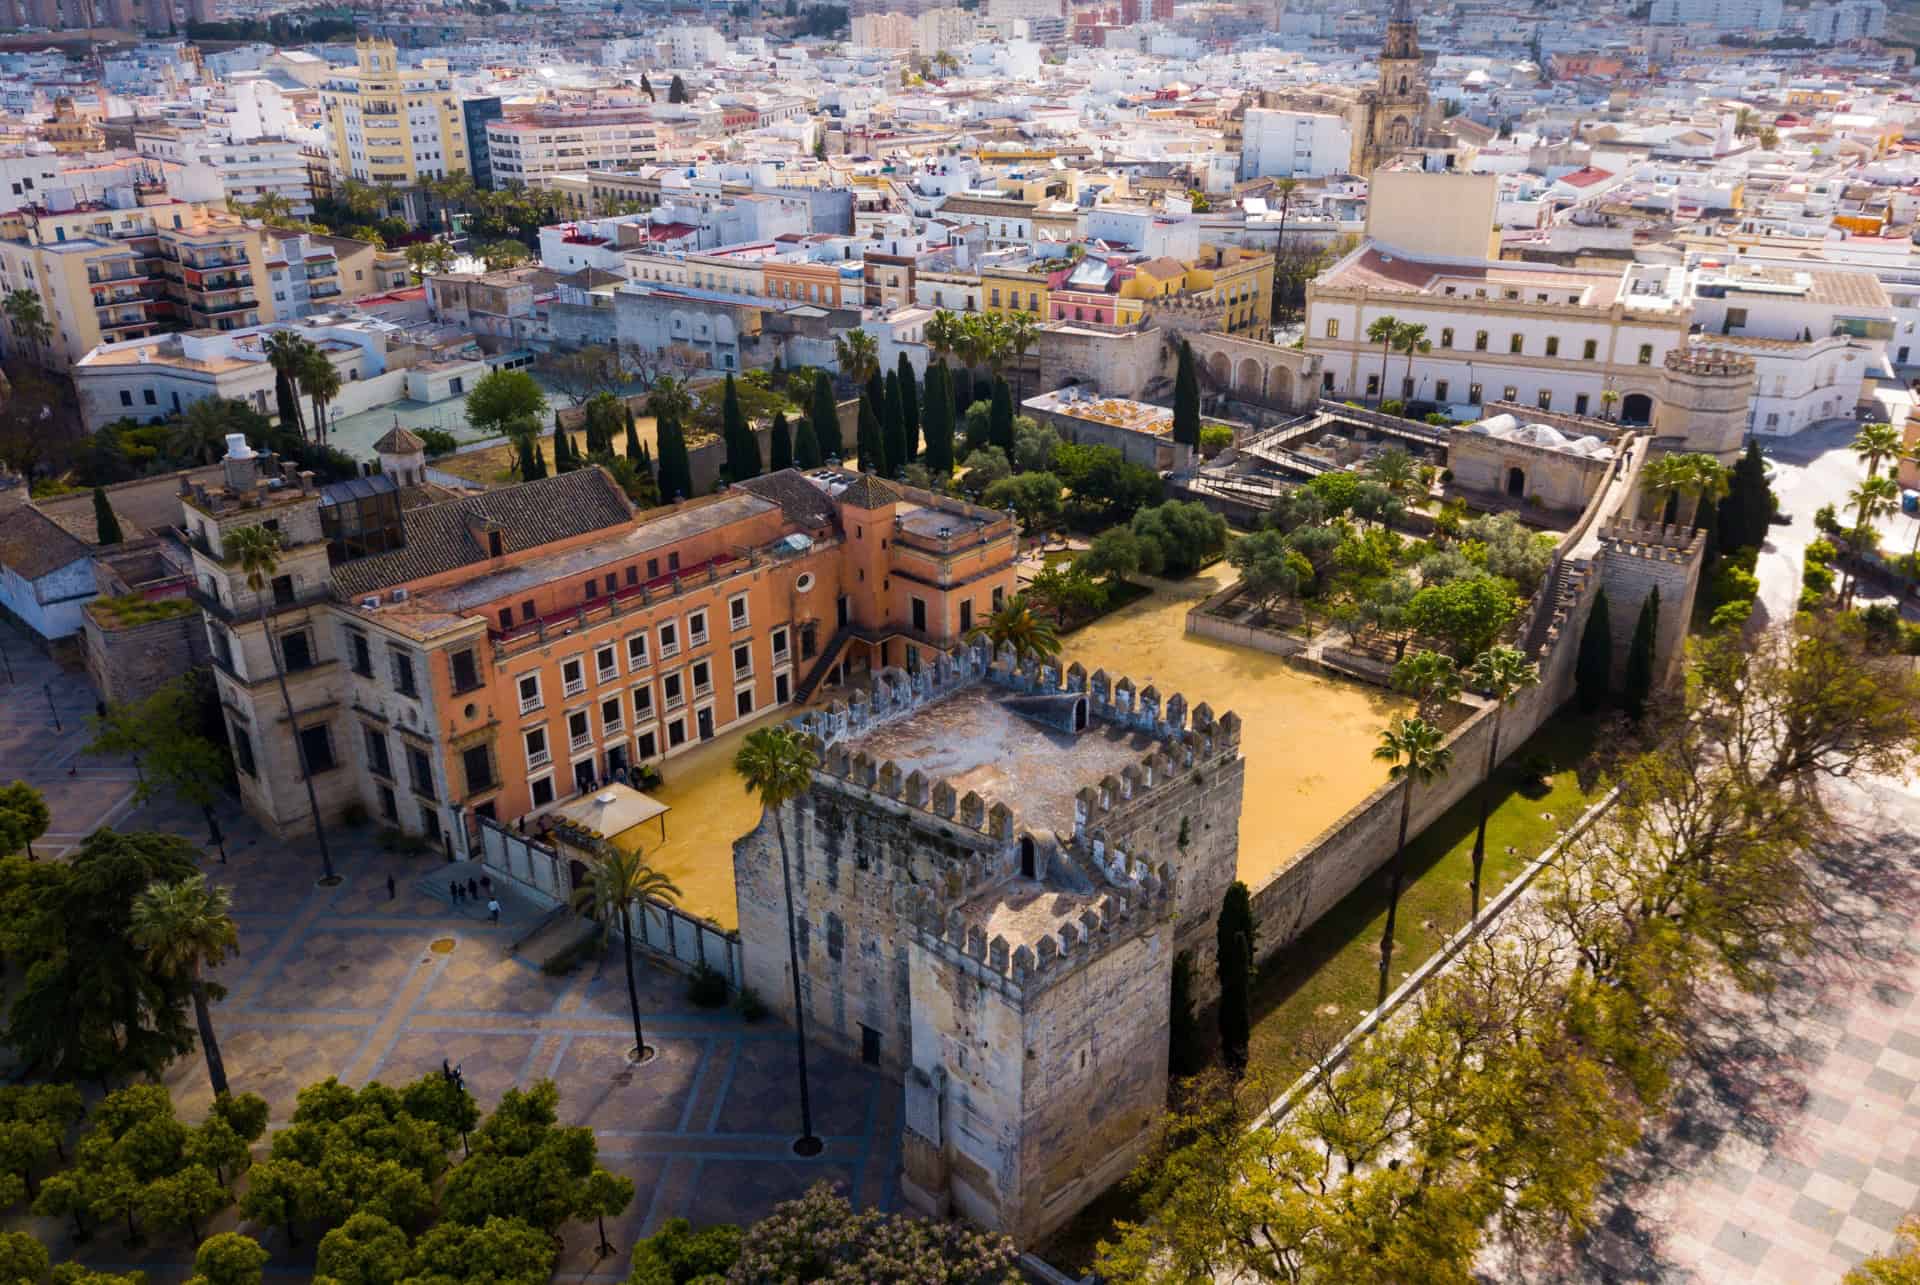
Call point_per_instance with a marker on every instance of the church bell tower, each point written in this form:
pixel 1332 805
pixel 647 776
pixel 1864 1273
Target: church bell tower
pixel 1401 108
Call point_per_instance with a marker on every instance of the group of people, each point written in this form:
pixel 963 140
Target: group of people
pixel 471 890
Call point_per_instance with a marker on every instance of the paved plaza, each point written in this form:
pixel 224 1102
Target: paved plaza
pixel 345 981
pixel 1793 1148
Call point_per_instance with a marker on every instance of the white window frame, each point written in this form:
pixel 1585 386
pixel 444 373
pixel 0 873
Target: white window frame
pixel 701 691
pixel 541 757
pixel 575 744
pixel 672 700
pixel 645 651
pixel 573 686
pixel 739 612
pixel 610 671
pixel 697 636
pixel 534 782
pixel 742 672
pixel 642 716
pixel 539 700
pixel 669 639
pixel 619 724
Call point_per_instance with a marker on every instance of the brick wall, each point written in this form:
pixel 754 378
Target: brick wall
pixel 130 664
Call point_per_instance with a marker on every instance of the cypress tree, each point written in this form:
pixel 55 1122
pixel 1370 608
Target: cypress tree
pixel 1000 431
pixel 634 449
pixel 1186 400
pixel 105 524
pixel 873 446
pixel 563 461
pixel 1234 936
pixel 539 460
pixel 939 420
pixel 877 390
pixel 806 446
pixel 781 443
pixel 1638 683
pixel 1747 508
pixel 677 91
pixel 743 451
pixel 962 392
pixel 1186 1051
pixel 1593 667
pixel 676 471
pixel 826 419
pixel 909 413
pixel 893 424
pixel 286 403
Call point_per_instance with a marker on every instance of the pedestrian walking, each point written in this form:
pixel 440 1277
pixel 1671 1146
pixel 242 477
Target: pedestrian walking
pixel 453 887
pixel 493 910
pixel 391 889
pixel 473 890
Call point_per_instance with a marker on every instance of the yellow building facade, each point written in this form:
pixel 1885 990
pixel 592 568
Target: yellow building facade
pixel 389 124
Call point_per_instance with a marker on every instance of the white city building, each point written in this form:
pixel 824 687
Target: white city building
pixel 1722 15
pixel 531 150
pixel 1293 144
pixel 1834 24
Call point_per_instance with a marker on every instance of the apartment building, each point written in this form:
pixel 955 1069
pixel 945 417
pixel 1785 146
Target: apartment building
pixel 503 653
pixel 246 171
pixel 136 264
pixel 389 124
pixel 1294 144
pixel 532 150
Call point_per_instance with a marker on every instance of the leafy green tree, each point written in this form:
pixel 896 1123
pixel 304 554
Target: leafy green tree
pixel 1106 487
pixel 1234 933
pixel 162 731
pixel 1593 667
pixel 806 447
pixel 1467 614
pixel 1747 510
pixel 181 1199
pixel 1118 553
pixel 634 450
pixel 977 426
pixel 1186 400
pixel 22 1258
pixel 1431 678
pixel 24 817
pixel 78 942
pixel 909 411
pixel 1637 684
pixel 1186 1047
pixel 228 1258
pixel 1510 550
pixel 1271 570
pixel 939 418
pixel 1899 1265
pixel 525 1166
pixel 186 928
pixel 982 469
pixel 106 525
pixel 1186 533
pixel 1034 497
pixel 1018 626
pixel 500 1251
pixel 821 1237
pixel 780 444
pixel 678 1253
pixel 825 418
pixel 604 1195
pixel 1000 417
pixel 80 1274
pixel 364 1250
pixel 1417 753
pixel 872 443
pixel 502 397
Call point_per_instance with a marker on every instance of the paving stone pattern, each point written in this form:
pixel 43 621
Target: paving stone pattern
pixel 346 981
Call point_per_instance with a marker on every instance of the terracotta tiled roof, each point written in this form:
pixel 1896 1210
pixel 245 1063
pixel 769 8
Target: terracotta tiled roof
pixel 33 545
pixel 398 441
pixel 800 500
pixel 868 492
pixel 531 514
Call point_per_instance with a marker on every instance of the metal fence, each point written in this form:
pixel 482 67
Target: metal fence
pixel 662 930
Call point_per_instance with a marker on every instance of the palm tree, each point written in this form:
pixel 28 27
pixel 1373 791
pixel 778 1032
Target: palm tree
pixel 185 928
pixel 943 333
pixel 1875 444
pixel 256 551
pixel 1383 331
pixel 1016 625
pixel 1707 481
pixel 776 763
pixel 358 197
pixel 1663 477
pixel 1409 338
pixel 427 257
pixel 269 207
pixel 1872 500
pixel 616 880
pixel 322 382
pixel 669 399
pixel 1430 677
pixel 1394 469
pixel 1414 748
pixel 1608 399
pixel 199 434
pixel 286 352
pixel 1501 672
pixel 27 318
pixel 1020 332
pixel 1284 188
pixel 498 256
pixel 857 355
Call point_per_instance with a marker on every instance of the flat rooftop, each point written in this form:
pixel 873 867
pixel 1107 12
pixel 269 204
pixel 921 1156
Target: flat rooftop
pixel 1115 412
pixel 976 742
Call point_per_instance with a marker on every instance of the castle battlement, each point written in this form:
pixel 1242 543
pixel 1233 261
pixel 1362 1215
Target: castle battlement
pixel 1708 361
pixel 1657 541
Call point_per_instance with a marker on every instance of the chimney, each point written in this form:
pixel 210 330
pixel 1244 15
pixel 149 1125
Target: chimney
pixel 242 474
pixel 306 480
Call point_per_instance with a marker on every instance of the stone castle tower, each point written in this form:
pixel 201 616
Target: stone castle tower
pixel 1399 109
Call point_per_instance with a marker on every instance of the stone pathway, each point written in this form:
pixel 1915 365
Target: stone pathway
pixel 351 982
pixel 1793 1147
pixel 43 736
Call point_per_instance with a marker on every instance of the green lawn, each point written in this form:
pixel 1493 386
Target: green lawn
pixel 1315 990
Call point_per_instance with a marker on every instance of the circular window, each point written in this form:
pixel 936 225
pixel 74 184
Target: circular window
pixel 470 710
pixel 805 582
